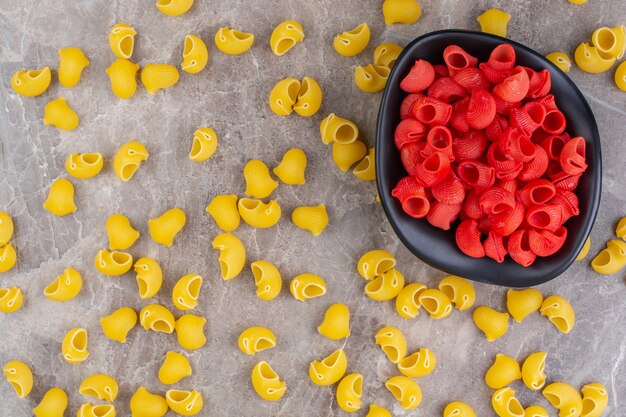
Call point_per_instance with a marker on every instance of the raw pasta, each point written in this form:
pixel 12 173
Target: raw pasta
pixel 123 76
pixel 292 167
pixel 204 144
pixel 285 36
pixel 256 339
pixel 420 363
pixel 19 375
pixel 186 292
pixel 164 228
pixel 610 41
pixel 74 346
pixel 494 21
pixel 561 60
pixel 352 42
pixel 611 259
pixel 436 303
pixel 156 317
pixel 195 55
pixel 535 410
pixel 620 77
pixel 128 158
pixel 330 369
pixel 533 371
pixel 585 250
pixel 84 165
pixel 11 299
pixel 401 11
pixel 386 54
pixel 6 228
pixel 113 263
pixel 53 404
pixel 405 390
pixel 407 301
pixel 393 343
pixel 349 391
pixel 267 279
pixel 60 201
pixel 65 287
pixel 190 331
pixel 374 263
pixel 385 287
pixel 336 323
pixel 101 386
pixel 174 368
pixel 378 411
pixel 185 403
pixel 309 98
pixel 266 382
pixel 283 96
pixel 560 313
pixel 233 42
pixel 223 209
pixel 493 324
pixel 502 372
pixel 232 255
pixel 458 409
pixel 521 303
pixel 259 214
pixel 116 325
pixel 307 286
pixel 8 257
pixel 149 277
pixel 145 404
pixel 564 398
pixel 371 78
pixel 122 40
pixel 259 182
pixel 366 169
pixel 157 77
pixel 31 83
pixel 459 290
pixel 72 62
pixel 620 229
pixel 311 218
pixel 60 115
pixel 174 7
pixel 121 233
pixel 339 130
pixel 345 156
pixel 591 60
pixel 100 410
pixel 505 404
pixel 595 400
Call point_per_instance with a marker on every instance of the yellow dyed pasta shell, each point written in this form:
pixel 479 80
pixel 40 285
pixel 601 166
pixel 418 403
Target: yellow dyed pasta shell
pixel 407 301
pixel 101 386
pixel 307 286
pixel 578 2
pixel 420 363
pixel 521 303
pixel 494 21
pixel 366 169
pixel 292 167
pixel 535 410
pixel 585 250
pixel 186 292
pixel 195 55
pixel 149 277
pixel 336 323
pixel 505 404
pixel 190 331
pixel 256 339
pixel 223 209
pixel 60 201
pixel 386 54
pixel 11 299
pixel 8 257
pixel 346 155
pixel 259 182
pixel 401 11
pixel 349 391
pixel 561 60
pixel 311 218
pixel 60 115
pixel 533 370
pixel 19 375
pixel 352 42
pixel 337 129
pixel 113 263
pixel 595 400
pixel 393 343
pixel 164 228
pixel 185 403
pixel 157 77
pixel 123 76
pixel 610 41
pixel 330 369
pixel 117 325
pixel 620 229
pixel 459 290
pixel 53 404
pixel 121 233
pixel 267 383
pixel 309 98
pixel 204 144
pixel 283 96
pixel 285 36
pixel 458 409
pixel 502 372
pixel 84 165
pixel 259 214
pixel 100 410
pixel 405 390
pixel 612 259
pixel 156 317
pixel 493 324
pixel 435 302
pixel 31 83
pixel 232 255
pixel 564 398
pixel 145 404
pixel 267 279
pixel 65 287
pixel 174 7
pixel 590 60
pixel 378 411
pixel 122 40
pixel 620 81
pixel 74 346
pixel 174 368
pixel 72 62
pixel 375 263
pixel 385 287
pixel 233 42
pixel 128 158
pixel 560 313
pixel 6 228
pixel 371 78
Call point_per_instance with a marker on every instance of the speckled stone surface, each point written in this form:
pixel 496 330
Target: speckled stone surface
pixel 230 95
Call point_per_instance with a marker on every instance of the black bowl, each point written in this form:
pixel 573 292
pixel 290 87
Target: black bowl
pixel 438 247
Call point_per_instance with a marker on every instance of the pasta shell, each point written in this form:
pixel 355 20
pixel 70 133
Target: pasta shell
pixel 123 76
pixel 157 77
pixel 595 400
pixel 186 403
pixel 610 41
pixel 149 277
pixel 117 325
pixel 60 115
pixel 174 368
pixel 158 318
pixel 259 182
pixel 565 398
pixel 336 323
pixel 31 83
pixel 19 375
pixel 174 7
pixel 121 233
pixel 266 382
pixel 561 60
pixel 405 390
pixel 378 411
pixel 330 369
pixel 113 263
pixel 267 279
pixel 560 313
pixel 74 346
pixel 11 299
pixel 314 219
pixel 292 166
pixel 256 339
pixel 352 42
pixel 459 290
pixel 259 214
pixel 585 250
pixel 65 287
pixel 345 156
pixel 190 331
pixel 393 343
pixel 386 54
pixel 60 201
pixel 493 324
pixel 375 263
pixel 285 36
pixel 72 62
pixel 307 286
pixel 533 373
pixel 502 372
pixel 53 404
pixel 233 42
pixel 100 410
pixel 204 144
pixel 458 409
pixel 8 257
pixel 620 82
pixel 223 209
pixel 494 21
pixel 401 11
pixel 85 165
pixel 385 287
pixel 145 404
pixel 420 363
pixel 122 40
pixel 232 255
pixel 195 55
pixel 366 169
pixel 436 303
pixel 6 228
pixel 283 96
pixel 186 292
pixel 349 391
pixel 590 60
pixel 309 98
pixel 371 78
pixel 164 228
pixel 504 403
pixel 128 159
pixel 536 411
pixel 521 303
pixel 100 386
pixel 610 260
pixel 407 301
pixel 337 129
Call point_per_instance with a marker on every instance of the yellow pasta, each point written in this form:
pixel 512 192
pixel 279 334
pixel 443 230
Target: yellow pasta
pixel 101 386
pixel 610 41
pixel 6 228
pixel 405 390
pixel 223 209
pixel 407 301
pixel 174 7
pixel 585 250
pixel 564 398
pixel 521 303
pixel 267 383
pixel 458 409
pixel 502 372
pixel 8 257
pixel 128 158
pixel 385 287
pixel 493 324
pixel 195 55
pixel 283 96
pixel 505 404
pixel 85 165
pixel 561 60
pixel 610 260
pixel 11 299
pixel 352 42
pixel 158 318
pixel 259 182
pixel 185 403
pixel 595 400
pixel 285 36
pixel 578 2
pixel 117 325
pixel 330 369
pixel 74 346
pixel 307 286
pixel 145 404
pixel 590 60
pixel 186 292
pixel 60 115
pixel 190 331
pixel 60 201
pixel 311 218
pixel 366 169
pixel 113 263
pixel 535 410
pixel 174 368
pixel 375 263
pixel 560 313
pixel 164 228
pixel 149 277
pixel 377 411
pixel 72 62
pixel 309 99
pixel 157 77
pixel 65 287
pixel 259 214
pixel 349 391
pixel 459 290
pixel 19 375
pixel 121 233
pixel 339 130
pixel 100 410
pixel 401 11
pixel 292 167
pixel 494 21
pixel 256 339
pixel 386 54
pixel 122 40
pixel 346 155
pixel 232 255
pixel 371 78
pixel 620 229
pixel 336 323
pixel 204 144
pixel 620 80
pixel 53 404
pixel 123 76
pixel 533 370
pixel 233 42
pixel 420 363
pixel 393 343
pixel 31 83
pixel 436 303
pixel 267 280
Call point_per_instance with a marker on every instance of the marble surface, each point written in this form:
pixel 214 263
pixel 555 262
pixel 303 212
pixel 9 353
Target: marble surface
pixel 230 95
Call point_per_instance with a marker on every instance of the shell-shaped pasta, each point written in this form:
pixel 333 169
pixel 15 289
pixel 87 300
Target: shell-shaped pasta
pixel 123 76
pixel 377 411
pixel 267 279
pixel 19 375
pixel 31 83
pixel 233 42
pixel 309 98
pixel 164 228
pixel 610 41
pixel 336 323
pixel 405 390
pixel 8 257
pixel 285 36
pixel 610 260
pixel 6 228
pixel 585 250
pixel 259 214
pixel 100 410
pixel 84 165
pixel 60 201
pixel 502 372
pixel 65 287
pixel 232 255
pixel 311 218
pixel 195 55
pixel 174 368
pixel 521 303
pixel 185 403
pixel 620 80
pixel 283 96
pixel 186 291
pixel 458 409
pixel 392 341
pixel 371 78
pixel 204 144
pixel 122 40
pixel 435 302
pixel 505 404
pixel 493 324
pixel 113 263
pixel 407 301
pixel 157 77
pixel 190 331
pixel 292 167
pixel 145 404
pixel 401 11
pixel 101 386
pixel 337 129
pixel 349 391
pixel 174 7
pixel 330 369
pixel 267 383
pixel 345 156
pixel 374 263
pixel 366 169
pixel 590 60
pixel 595 400
pixel 385 287
pixel 386 54
pixel 564 398
pixel 11 299
pixel 223 209
pixel 74 346
pixel 256 339
pixel 156 317
pixel 116 325
pixel 259 182
pixel 561 60
pixel 53 404
pixel 535 411
pixel 121 233
pixel 60 115
pixel 494 21
pixel 420 363
pixel 352 42
pixel 560 313
pixel 72 62
pixel 620 229
pixel 307 286
pixel 128 158
pixel 533 373
pixel 149 277
pixel 459 290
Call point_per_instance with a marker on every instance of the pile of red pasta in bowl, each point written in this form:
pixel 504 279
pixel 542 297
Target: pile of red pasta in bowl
pixel 485 144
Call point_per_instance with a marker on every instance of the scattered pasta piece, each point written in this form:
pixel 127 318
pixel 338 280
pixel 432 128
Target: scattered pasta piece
pixel 186 292
pixel 113 263
pixel 285 36
pixel 337 129
pixel 259 182
pixel 578 2
pixel 535 410
pixel 493 324
pixel 266 382
pixel 101 386
pixel 564 398
pixel 386 54
pixel 149 277
pixel 533 370
pixel 521 303
pixel 283 96
pixel 589 59
pixel 31 83
pixel 145 404
pixel 345 156
pixel 366 169
pixel 458 409
pixel 336 323
pixel 330 369
pixel 174 368
pixel 8 257
pixel 233 42
pixel 164 228
pixel 494 21
pixel 505 404
pixel 436 303
pixel 6 228
pixel 53 404
pixel 560 313
pixel 195 55
pixel 185 403
pixel 374 263
pixel 502 372
pixel 256 339
pixel 612 259
pixel 267 279
pixel 309 98
pixel 128 158
pixel 401 11
pixel 121 233
pixel 585 250
pixel 378 411
pixel 385 287
pixel 349 391
pixel 84 165
pixel 405 390
pixel 65 287
pixel 371 78
pixel 393 343
pixel 561 60
pixel 620 229
pixel 420 363
pixel 72 62
pixel 610 41
pixel 259 214
pixel 292 167
pixel 232 255
pixel 19 375
pixel 157 77
pixel 11 299
pixel 123 76
pixel 174 7
pixel 314 218
pixel 595 400
pixel 74 346
pixel 100 410
pixel 307 286
pixel 190 331
pixel 117 325
pixel 352 42
pixel 223 209
pixel 60 115
pixel 459 290
pixel 407 301
pixel 158 318
pixel 204 144
pixel 122 40
pixel 60 201
pixel 620 77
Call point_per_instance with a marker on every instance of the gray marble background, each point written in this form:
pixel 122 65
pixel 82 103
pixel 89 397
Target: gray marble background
pixel 230 95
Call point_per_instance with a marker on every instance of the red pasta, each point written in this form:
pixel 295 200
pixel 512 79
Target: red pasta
pixel 546 243
pixel 419 78
pixel 502 58
pixel 553 145
pixel 481 110
pixel 509 185
pixel 410 154
pixel 443 215
pixel 572 157
pixel 568 202
pixel 408 131
pixel 507 222
pixel 471 145
pixel 536 168
pixel 433 169
pixel 540 84
pixel 441 71
pixel 457 59
pixel 546 216
pixel 412 196
pixel 431 111
pixel 458 118
pixel 468 239
pixel 554 122
pixel 494 247
pixel 439 139
pixel 504 107
pixel 519 248
pixel 529 118
pixel 447 90
pixel 516 145
pixel 449 191
pixel 548 102
pixel 495 128
pixel 539 191
pixel 406 108
pixel 514 87
pixel 476 174
pixel 471 78
pixel 496 201
pixel 493 75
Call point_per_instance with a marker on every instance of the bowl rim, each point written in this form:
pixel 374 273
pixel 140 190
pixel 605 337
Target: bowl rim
pixel 594 200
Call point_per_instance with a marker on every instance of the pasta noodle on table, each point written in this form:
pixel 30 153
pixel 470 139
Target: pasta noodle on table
pixel 533 370
pixel 53 404
pixel 418 364
pixel 385 287
pixel 232 255
pixel 458 409
pixel 309 98
pixel 122 40
pixel 11 299
pixel 259 182
pixel 459 290
pixel 494 21
pixel 233 42
pixel 267 279
pixel 145 404
pixel 19 375
pixel 620 77
pixel 190 331
pixel 521 303
pixel 186 292
pixel 128 158
pixel 157 77
pixel 72 62
pixel 307 286
pixel 502 372
pixel 590 60
pixel 8 257
pixel 560 313
pixel 405 390
pixel 610 41
pixel 223 209
pixel 311 218
pixel 267 383
pixel 60 115
pixel 174 368
pixel 585 250
pixel 195 55
pixel 436 303
pixel 204 144
pixel 374 263
pixel 611 259
pixel 113 263
pixel 564 398
pixel 291 168
pixel 283 96
pixel 492 323
pixel 65 287
pixel 99 410
pixel 378 411
pixel 123 76
pixel 158 318
pixel 149 277
pixel 163 229
pixel 595 400
pixel 535 410
pixel 6 228
pixel 345 156
pixel 116 325
pixel 561 60
pixel 74 346
pixel 256 339
pixel 505 404
pixel 386 54
pixel 100 386
pixel 620 229
pixel 578 2
pixel 349 391
pixel 336 323
pixel 84 165
pixel 185 403
pixel 258 214
pixel 401 11
pixel 174 7
pixel 366 169
pixel 352 42
pixel 337 129
pixel 122 235
pixel 285 36
pixel 31 83
pixel 330 369
pixel 393 343
pixel 60 201
pixel 407 300
pixel 371 78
